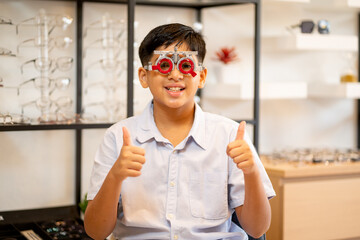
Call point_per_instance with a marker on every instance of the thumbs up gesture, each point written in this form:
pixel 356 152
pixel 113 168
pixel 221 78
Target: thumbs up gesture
pixel 240 151
pixel 130 160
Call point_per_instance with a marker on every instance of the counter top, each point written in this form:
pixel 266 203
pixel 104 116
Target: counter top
pixel 295 170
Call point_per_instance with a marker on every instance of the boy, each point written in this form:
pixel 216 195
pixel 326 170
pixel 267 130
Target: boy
pixel 176 172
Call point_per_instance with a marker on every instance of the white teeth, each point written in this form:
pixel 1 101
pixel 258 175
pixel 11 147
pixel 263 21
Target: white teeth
pixel 174 89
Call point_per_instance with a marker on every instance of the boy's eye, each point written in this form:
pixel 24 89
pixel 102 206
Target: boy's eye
pixel 186 66
pixel 164 66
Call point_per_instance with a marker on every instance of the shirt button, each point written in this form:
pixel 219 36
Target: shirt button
pixel 176 236
pixel 170 216
pixel 172 184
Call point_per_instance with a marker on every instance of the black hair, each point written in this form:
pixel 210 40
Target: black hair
pixel 167 34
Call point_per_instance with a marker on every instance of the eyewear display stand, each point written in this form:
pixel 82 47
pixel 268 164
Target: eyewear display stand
pixel 36 215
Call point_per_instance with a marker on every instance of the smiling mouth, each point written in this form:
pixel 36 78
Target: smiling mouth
pixel 174 89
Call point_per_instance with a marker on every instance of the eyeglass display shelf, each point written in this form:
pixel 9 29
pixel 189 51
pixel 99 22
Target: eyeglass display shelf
pixel 29 127
pixel 334 90
pixel 175 3
pixel 313 42
pixel 287 1
pixel 41 214
pixel 334 5
pixel 329 5
pixel 268 90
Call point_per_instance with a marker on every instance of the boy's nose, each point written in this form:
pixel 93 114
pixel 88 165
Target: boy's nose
pixel 176 75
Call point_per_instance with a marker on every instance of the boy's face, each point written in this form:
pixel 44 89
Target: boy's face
pixel 173 90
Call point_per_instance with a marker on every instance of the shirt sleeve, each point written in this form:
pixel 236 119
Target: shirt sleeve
pixel 105 157
pixel 236 178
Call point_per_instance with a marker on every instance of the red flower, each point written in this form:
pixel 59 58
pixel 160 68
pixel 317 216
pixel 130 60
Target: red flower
pixel 227 55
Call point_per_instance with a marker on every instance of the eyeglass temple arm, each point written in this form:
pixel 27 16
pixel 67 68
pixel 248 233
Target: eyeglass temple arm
pixel 22 84
pixel 22 22
pixel 22 65
pixel 18 46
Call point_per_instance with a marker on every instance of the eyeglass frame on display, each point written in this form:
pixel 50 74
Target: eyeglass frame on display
pixel 104 105
pixel 115 40
pixel 323 26
pixel 50 103
pixel 52 43
pixel 114 68
pixel 118 22
pixel 5 21
pixel 24 119
pixel 50 81
pixel 52 25
pixel 6 52
pixel 105 84
pixel 51 61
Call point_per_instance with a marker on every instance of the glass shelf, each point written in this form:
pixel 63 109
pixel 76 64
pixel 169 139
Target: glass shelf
pixel 27 127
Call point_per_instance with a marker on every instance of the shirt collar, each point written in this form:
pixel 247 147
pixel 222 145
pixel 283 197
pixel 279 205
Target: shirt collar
pixel 147 128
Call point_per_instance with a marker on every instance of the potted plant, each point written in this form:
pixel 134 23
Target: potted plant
pixel 224 67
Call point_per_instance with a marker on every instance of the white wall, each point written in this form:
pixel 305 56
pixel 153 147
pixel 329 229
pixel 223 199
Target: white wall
pixel 288 123
pixel 37 168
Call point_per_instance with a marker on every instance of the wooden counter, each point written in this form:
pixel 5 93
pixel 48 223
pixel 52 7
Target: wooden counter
pixel 314 201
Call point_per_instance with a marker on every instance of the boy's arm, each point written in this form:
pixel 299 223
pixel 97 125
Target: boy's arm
pixel 255 215
pixel 101 212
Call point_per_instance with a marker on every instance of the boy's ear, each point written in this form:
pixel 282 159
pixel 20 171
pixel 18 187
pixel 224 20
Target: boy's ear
pixel 202 76
pixel 143 77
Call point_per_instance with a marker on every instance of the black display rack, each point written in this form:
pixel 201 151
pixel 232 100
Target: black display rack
pixel 197 5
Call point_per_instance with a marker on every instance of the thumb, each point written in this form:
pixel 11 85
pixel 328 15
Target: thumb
pixel 126 137
pixel 241 131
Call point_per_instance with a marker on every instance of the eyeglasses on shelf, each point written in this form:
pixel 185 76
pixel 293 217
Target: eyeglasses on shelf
pixel 47 64
pixel 61 83
pixel 51 43
pixel 110 110
pixel 45 103
pixel 107 85
pixel 6 52
pixel 13 119
pixel 109 26
pixel 107 65
pixel 52 20
pixel 307 26
pixel 6 21
pixel 114 45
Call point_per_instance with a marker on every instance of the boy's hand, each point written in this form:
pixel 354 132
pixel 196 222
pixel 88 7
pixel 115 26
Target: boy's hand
pixel 240 151
pixel 130 160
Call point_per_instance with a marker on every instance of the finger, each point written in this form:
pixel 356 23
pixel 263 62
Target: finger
pixel 138 158
pixel 235 152
pixel 241 158
pixel 135 166
pixel 133 173
pixel 241 131
pixel 126 137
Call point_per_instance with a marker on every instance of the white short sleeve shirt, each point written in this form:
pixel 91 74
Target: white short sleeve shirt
pixel 184 192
